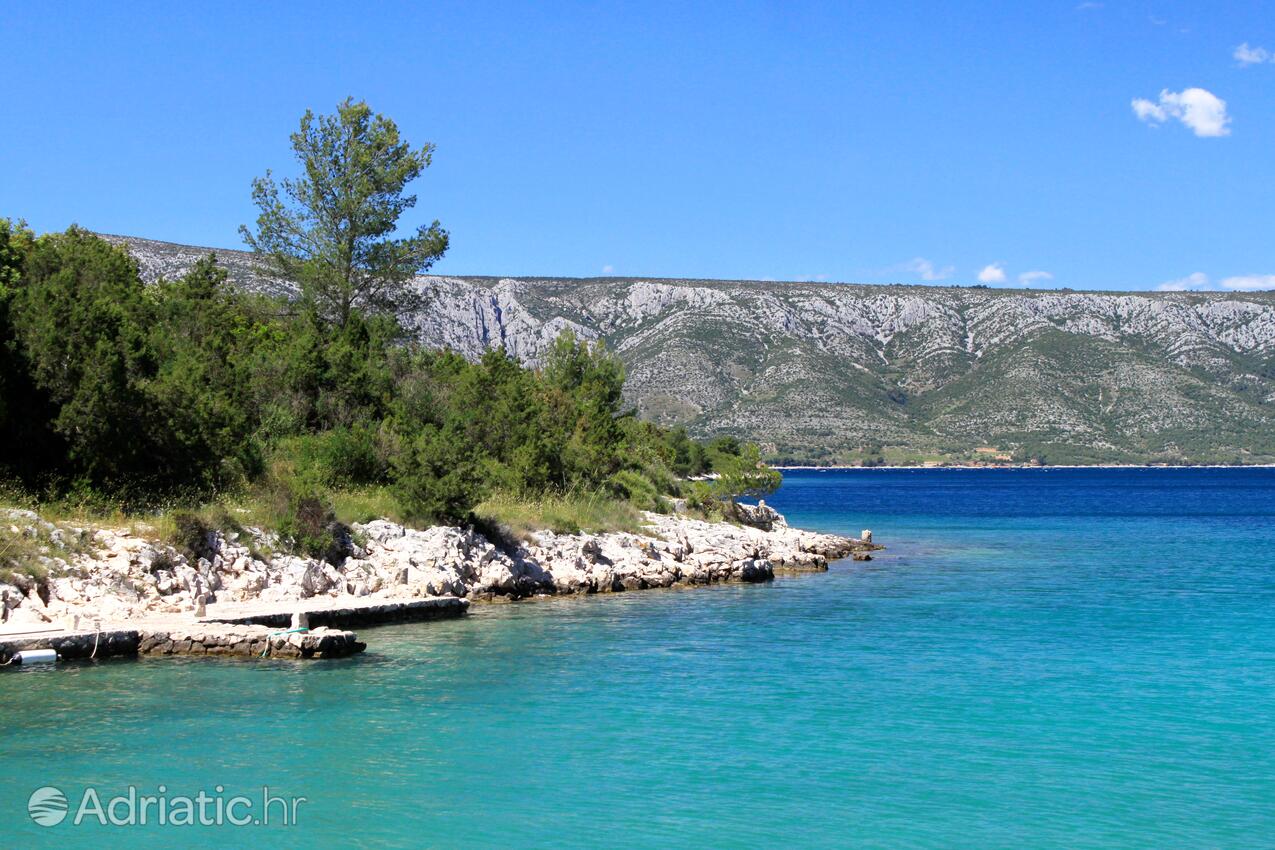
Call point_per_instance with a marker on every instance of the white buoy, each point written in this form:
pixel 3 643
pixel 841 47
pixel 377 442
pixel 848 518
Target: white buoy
pixel 36 656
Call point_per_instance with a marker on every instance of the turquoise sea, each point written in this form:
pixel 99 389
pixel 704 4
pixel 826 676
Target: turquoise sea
pixel 1042 658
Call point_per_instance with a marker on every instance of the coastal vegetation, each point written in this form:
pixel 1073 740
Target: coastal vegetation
pixel 850 374
pixel 203 405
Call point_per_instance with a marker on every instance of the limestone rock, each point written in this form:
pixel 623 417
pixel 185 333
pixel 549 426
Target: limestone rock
pixel 128 577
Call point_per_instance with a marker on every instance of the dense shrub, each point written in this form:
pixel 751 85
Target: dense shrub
pixel 190 535
pixel 635 487
pixel 437 477
pixel 191 386
pixel 342 457
pixel 80 317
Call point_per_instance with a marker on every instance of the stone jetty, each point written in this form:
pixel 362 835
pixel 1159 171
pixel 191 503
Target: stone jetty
pixel 196 639
pixel 364 611
pixel 282 630
pixel 250 641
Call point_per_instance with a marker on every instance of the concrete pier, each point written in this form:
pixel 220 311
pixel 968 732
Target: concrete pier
pixel 341 613
pixel 248 641
pixel 259 630
pixel 72 645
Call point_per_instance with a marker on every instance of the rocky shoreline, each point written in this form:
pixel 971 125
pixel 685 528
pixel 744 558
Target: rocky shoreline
pixel 125 579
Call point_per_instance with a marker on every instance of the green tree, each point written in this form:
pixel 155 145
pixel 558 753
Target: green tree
pixel 332 230
pixel 687 457
pixel 201 391
pixel 437 476
pixel 744 475
pixel 82 321
pixel 15 241
pixel 585 383
pixel 29 448
pixel 499 407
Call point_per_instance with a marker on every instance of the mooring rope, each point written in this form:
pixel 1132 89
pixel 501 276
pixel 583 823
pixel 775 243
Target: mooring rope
pixel 276 634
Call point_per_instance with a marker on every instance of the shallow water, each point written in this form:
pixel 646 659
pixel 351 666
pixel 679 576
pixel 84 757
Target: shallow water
pixel 1043 658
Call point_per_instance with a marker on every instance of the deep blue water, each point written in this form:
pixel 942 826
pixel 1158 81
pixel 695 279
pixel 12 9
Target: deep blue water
pixel 1043 658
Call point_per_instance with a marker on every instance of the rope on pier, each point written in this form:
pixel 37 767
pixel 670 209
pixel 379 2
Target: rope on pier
pixel 276 634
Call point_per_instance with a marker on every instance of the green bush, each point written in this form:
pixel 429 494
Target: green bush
pixel 743 474
pixel 636 488
pixel 342 457
pixel 140 395
pixel 437 478
pixel 190 535
pixel 309 524
pixel 351 456
pixel 81 319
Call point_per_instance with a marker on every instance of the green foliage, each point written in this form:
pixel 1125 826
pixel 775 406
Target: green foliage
pixel 309 523
pixel 345 456
pixel 470 429
pixel 585 385
pixel 189 535
pixel 82 321
pixel 725 445
pixel 201 388
pixel 28 443
pixel 636 488
pixel 332 229
pixel 437 477
pixel 699 497
pixel 190 389
pixel 364 504
pixel 687 457
pixel 744 475
pixel 290 502
pixel 519 517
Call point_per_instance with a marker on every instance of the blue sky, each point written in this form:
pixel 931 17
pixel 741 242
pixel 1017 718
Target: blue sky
pixel 875 142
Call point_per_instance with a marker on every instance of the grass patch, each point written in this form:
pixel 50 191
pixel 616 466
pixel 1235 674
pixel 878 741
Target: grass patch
pixel 570 514
pixel 365 504
pixel 22 552
pixel 186 527
pixel 19 556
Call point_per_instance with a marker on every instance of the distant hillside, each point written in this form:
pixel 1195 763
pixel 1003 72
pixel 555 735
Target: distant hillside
pixel 840 373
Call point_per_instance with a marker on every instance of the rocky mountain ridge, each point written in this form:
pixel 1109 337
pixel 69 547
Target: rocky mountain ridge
pixel 848 373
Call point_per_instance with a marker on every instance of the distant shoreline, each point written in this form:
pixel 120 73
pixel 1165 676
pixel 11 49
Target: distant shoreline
pixel 1015 466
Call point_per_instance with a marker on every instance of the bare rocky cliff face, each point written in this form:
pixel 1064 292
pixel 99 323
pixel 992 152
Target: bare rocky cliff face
pixel 840 372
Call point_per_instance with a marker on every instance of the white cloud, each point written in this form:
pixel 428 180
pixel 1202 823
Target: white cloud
pixel 927 270
pixel 1201 110
pixel 994 273
pixel 1028 278
pixel 608 268
pixel 1246 55
pixel 1250 282
pixel 1148 111
pixel 1195 280
pixel 1089 4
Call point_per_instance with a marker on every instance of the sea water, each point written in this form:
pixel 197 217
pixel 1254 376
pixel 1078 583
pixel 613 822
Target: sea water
pixel 1041 658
